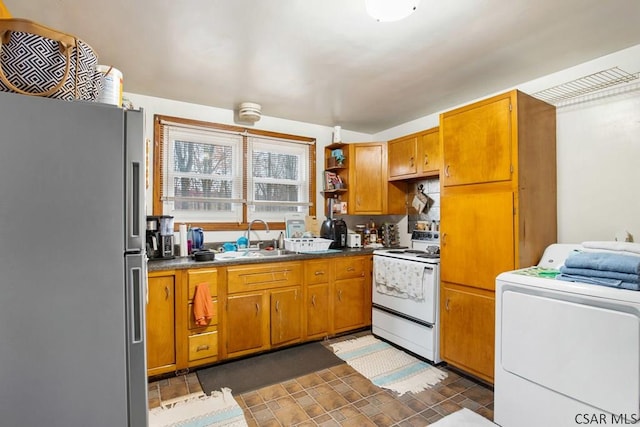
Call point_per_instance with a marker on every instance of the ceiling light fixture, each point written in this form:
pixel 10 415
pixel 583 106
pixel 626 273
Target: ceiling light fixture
pixel 390 10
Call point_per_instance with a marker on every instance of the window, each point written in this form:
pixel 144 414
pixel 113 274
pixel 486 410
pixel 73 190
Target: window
pixel 221 177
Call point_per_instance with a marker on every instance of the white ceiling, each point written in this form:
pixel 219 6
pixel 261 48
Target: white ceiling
pixel 327 62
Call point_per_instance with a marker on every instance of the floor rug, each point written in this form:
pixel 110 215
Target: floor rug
pixel 386 366
pixel 263 370
pixel 463 418
pixel 217 409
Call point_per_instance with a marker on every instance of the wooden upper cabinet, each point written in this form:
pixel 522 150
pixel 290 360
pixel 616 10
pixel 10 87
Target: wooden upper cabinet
pixel 403 157
pixel 367 178
pixel 429 146
pixel 414 156
pixel 478 146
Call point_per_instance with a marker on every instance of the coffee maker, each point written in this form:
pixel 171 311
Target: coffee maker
pixel 160 237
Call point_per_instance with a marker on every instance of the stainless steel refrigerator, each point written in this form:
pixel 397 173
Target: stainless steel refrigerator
pixel 72 264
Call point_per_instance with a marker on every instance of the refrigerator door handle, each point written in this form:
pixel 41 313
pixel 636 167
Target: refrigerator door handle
pixel 135 182
pixel 135 287
pixel 136 301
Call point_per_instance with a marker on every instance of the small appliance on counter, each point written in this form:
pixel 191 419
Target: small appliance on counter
pixel 354 240
pixel 159 239
pixel 196 237
pixel 336 230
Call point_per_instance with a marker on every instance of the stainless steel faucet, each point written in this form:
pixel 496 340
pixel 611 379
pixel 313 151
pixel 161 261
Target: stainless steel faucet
pixel 249 231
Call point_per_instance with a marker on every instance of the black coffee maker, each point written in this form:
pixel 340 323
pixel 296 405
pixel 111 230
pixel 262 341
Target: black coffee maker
pixel 159 238
pixel 336 230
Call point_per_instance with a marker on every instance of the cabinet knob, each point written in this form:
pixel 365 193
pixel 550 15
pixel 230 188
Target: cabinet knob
pixel 319 273
pixel 446 304
pixel 313 300
pixel 167 293
pixel 202 347
pixel 426 159
pixel 446 171
pixel 411 161
pixel 340 295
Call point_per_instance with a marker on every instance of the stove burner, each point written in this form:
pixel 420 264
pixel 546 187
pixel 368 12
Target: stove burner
pixel 428 256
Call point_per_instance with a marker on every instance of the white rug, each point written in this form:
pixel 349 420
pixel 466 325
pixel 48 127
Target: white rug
pixel 386 366
pixel 463 418
pixel 219 409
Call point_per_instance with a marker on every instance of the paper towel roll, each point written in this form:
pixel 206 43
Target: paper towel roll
pixel 183 239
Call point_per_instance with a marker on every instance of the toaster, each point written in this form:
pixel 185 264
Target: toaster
pixel 354 241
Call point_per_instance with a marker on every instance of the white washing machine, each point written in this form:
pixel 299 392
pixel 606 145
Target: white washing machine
pixel 567 354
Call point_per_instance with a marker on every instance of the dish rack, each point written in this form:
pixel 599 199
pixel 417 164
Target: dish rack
pixel 316 244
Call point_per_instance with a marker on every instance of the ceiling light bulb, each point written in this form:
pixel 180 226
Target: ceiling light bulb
pixel 390 10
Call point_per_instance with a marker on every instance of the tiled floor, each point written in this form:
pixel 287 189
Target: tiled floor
pixel 340 396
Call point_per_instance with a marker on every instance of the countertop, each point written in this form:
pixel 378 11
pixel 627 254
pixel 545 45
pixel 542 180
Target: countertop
pixel 180 263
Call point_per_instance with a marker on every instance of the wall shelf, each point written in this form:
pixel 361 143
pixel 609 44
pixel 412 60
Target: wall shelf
pixel 586 85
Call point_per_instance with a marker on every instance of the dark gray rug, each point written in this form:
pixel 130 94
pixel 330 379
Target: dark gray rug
pixel 267 369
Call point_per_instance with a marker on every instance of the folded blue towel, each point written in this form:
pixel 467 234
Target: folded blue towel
pixel 588 272
pixel 613 283
pixel 604 261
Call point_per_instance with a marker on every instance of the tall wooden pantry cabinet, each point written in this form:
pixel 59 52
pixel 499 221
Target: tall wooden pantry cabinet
pixel 498 213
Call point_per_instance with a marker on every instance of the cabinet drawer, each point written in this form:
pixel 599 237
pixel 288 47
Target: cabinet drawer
pixel 202 346
pixel 349 267
pixel 203 276
pixel 317 271
pixel 263 276
pixel 213 321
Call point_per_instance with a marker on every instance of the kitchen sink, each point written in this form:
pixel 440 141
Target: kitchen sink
pixel 254 254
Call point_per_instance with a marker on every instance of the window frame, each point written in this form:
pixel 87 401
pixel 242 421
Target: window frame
pixel 157 206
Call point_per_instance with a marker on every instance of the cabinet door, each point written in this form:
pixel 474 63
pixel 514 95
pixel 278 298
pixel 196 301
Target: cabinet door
pixel 286 316
pixel 477 142
pixel 430 161
pixel 402 154
pixel 467 329
pixel 367 179
pixel 477 238
pixel 161 350
pixel 350 304
pixel 317 310
pixel 317 278
pixel 247 323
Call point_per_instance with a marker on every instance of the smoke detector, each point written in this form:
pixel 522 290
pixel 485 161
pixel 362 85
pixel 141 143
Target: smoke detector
pixel 249 112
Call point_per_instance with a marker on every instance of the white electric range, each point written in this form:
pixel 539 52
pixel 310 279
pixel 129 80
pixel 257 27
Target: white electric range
pixel 406 295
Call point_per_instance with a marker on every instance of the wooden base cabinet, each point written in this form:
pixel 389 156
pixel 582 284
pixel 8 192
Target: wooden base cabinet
pixel 286 316
pixel 264 307
pixel 317 277
pixel 202 340
pixel 352 293
pixel 247 322
pixel 498 213
pixel 161 324
pixel 257 307
pixel 467 315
